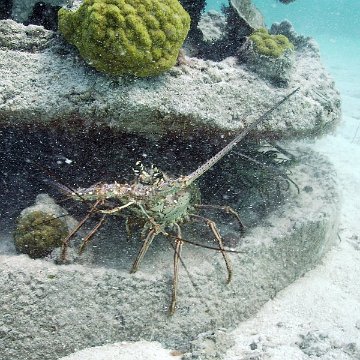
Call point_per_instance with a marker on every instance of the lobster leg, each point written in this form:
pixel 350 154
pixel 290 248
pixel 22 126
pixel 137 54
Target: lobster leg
pixel 177 255
pixel 211 224
pixel 117 209
pixel 226 209
pixel 91 234
pixel 65 242
pixel 147 242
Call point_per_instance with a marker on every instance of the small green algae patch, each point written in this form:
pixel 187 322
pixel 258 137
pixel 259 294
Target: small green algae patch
pixel 270 45
pixel 38 233
pixel 138 37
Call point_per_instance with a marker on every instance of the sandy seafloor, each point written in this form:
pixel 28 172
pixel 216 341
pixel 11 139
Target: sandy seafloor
pixel 318 316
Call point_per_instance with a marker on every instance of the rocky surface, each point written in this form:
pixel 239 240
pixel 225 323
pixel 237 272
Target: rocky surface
pixel 275 70
pixel 45 81
pixel 248 13
pixel 47 205
pixel 49 311
pixel 212 25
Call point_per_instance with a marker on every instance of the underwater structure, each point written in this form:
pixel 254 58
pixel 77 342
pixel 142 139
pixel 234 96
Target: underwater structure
pixel 92 89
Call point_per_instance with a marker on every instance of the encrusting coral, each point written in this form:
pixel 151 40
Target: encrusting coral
pixel 38 233
pixel 139 37
pixel 270 45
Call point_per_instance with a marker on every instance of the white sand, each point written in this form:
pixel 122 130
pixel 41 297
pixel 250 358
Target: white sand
pixel 319 315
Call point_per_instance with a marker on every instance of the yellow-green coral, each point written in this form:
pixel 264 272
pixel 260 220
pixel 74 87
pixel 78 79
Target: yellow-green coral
pixel 38 233
pixel 140 37
pixel 270 45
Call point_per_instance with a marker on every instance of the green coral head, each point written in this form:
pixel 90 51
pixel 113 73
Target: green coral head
pixel 139 37
pixel 38 233
pixel 270 45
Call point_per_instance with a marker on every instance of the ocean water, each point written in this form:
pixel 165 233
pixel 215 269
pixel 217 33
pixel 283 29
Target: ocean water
pixel 335 24
pixel 309 17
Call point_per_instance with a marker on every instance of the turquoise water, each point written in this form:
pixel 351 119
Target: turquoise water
pixel 311 17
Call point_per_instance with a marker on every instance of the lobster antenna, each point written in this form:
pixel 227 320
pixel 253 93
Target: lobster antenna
pixel 211 162
pixel 59 183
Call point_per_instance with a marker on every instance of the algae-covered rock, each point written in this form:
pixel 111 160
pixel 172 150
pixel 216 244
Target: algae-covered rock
pixel 139 37
pixel 38 233
pixel 42 227
pixel 270 45
pixel 270 56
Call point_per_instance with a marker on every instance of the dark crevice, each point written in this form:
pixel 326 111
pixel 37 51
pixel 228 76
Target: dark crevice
pixel 5 9
pixel 44 15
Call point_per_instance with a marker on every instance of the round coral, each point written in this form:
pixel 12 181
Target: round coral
pixel 139 37
pixel 270 45
pixel 38 233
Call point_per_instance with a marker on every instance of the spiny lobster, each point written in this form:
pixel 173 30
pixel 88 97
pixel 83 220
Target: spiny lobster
pixel 159 203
